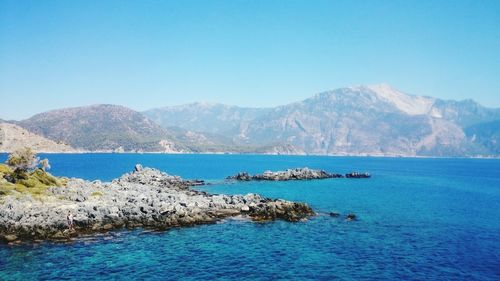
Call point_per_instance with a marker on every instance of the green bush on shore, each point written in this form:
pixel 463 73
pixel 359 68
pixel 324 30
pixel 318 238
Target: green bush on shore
pixel 20 173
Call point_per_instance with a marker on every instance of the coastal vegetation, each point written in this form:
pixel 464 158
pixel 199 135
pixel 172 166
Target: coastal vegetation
pixel 24 172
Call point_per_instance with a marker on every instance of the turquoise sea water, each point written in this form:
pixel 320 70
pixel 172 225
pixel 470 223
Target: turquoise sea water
pixel 419 219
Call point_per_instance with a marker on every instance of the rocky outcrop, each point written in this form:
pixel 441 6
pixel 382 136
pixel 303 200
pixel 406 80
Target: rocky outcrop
pixel 357 175
pixel 143 198
pixel 290 174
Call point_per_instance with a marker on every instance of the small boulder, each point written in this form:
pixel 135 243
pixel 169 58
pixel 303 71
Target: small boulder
pixel 107 226
pixel 334 214
pixel 10 238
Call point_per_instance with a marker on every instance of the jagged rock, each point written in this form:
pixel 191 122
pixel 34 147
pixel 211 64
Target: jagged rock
pixel 357 175
pixel 290 174
pixel 242 176
pixel 145 198
pixel 138 167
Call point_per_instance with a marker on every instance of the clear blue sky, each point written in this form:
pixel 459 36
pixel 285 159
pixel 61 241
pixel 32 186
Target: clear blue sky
pixel 145 54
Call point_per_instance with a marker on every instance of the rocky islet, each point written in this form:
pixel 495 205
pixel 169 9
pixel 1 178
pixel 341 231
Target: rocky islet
pixel 289 174
pixel 294 174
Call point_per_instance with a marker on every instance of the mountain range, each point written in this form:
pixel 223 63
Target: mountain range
pixel 361 120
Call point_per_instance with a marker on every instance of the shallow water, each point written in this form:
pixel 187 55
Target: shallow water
pixel 419 219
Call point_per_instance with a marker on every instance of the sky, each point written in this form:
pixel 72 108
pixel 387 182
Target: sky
pixel 146 54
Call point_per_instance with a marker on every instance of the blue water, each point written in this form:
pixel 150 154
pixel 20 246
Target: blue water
pixel 419 219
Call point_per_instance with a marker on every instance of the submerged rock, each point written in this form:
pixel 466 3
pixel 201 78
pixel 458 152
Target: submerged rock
pixel 143 198
pixel 290 174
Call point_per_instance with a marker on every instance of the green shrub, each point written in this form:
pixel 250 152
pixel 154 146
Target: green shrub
pixel 21 175
pixel 23 159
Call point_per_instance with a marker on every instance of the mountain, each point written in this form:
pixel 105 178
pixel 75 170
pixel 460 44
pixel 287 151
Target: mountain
pixel 363 120
pixel 13 137
pixel 101 128
pixel 217 119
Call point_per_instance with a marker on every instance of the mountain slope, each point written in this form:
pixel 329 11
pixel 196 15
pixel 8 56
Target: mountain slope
pixel 465 113
pixel 205 117
pixel 101 128
pixel 13 137
pixel 486 135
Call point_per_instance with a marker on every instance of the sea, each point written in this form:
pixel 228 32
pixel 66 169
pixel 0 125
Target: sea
pixel 418 219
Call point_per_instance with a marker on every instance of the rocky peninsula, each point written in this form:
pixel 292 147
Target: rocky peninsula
pixel 289 174
pixel 143 198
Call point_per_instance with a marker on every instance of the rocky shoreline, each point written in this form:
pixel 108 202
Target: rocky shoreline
pixel 144 198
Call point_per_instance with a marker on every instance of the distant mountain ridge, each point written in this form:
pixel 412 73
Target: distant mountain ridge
pixel 360 120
